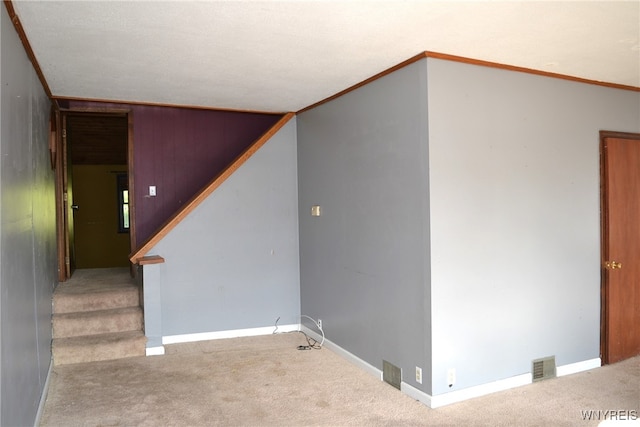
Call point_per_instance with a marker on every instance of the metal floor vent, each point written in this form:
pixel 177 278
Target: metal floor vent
pixel 391 374
pixel 544 368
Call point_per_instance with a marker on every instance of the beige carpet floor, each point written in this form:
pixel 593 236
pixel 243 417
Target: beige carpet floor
pixel 266 381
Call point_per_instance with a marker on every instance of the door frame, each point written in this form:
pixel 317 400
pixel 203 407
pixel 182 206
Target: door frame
pixel 604 239
pixel 59 162
pixel 57 156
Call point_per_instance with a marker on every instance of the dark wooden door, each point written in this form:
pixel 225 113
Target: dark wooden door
pixel 620 330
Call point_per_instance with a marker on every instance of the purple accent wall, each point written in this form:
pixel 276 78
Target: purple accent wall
pixel 180 150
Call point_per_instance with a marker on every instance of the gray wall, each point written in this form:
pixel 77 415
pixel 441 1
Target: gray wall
pixel 27 233
pixel 463 233
pixel 515 222
pixel 233 262
pixel 364 262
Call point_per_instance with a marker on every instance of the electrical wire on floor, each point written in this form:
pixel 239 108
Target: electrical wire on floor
pixel 275 331
pixel 312 343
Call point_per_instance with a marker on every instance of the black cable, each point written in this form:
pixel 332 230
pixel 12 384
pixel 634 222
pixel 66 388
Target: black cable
pixel 312 344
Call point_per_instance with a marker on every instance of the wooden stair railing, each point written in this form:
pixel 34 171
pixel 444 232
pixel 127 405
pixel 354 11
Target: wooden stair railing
pixel 188 207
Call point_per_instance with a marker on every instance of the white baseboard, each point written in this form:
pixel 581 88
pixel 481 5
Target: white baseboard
pixel 419 395
pixel 416 394
pixel 458 395
pixel 43 396
pixel 155 351
pixel 479 390
pixel 344 353
pixel 508 383
pixel 405 388
pixel 574 368
pixel 235 333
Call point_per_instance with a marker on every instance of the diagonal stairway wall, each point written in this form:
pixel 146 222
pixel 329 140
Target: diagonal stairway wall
pixel 232 262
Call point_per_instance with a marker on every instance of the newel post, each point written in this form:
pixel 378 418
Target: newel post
pixel 152 273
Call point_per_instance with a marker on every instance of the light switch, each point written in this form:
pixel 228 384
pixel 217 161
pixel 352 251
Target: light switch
pixel 152 190
pixel 315 210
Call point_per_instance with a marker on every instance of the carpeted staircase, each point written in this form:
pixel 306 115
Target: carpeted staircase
pixel 97 316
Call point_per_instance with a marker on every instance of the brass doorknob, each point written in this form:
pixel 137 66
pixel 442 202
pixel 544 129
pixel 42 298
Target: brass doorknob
pixel 612 265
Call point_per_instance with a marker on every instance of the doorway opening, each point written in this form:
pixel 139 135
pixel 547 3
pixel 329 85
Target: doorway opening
pixel 94 182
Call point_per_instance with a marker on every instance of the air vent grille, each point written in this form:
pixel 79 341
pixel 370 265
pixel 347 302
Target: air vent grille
pixel 544 368
pixel 391 374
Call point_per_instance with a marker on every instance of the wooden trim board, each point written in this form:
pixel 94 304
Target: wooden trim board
pixel 27 46
pixel 447 57
pixel 129 104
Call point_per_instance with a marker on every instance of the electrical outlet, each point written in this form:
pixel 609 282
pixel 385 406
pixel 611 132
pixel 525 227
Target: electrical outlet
pixel 320 323
pixel 451 377
pixel 418 375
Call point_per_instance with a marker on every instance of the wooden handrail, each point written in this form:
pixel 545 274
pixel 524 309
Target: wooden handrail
pixel 151 259
pixel 188 207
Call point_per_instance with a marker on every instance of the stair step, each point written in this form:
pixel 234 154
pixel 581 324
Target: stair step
pixel 71 300
pixel 67 325
pixel 94 348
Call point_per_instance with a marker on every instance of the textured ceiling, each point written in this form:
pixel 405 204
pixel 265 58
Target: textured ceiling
pixel 286 55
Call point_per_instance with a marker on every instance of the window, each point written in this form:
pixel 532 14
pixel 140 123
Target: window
pixel 123 203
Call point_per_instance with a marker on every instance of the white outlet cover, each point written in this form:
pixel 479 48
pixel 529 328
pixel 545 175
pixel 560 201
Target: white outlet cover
pixel 451 376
